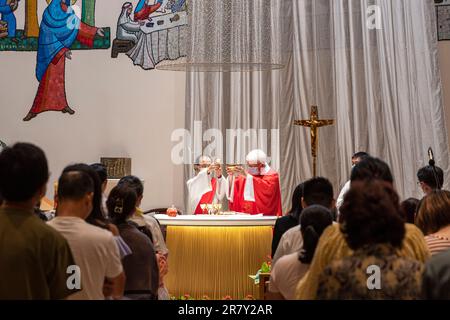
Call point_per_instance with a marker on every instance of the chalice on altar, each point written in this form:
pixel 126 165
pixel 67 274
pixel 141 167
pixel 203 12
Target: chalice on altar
pixel 217 208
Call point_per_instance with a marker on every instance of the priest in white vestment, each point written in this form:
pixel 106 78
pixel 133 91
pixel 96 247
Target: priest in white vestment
pixel 208 186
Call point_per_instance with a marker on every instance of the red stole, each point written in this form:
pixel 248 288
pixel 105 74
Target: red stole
pixel 208 197
pixel 267 195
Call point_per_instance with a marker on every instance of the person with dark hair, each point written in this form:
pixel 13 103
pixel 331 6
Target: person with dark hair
pixel 103 176
pixel 316 191
pixel 150 226
pixel 290 220
pixel 409 209
pixel 291 268
pixel 371 168
pixel 141 266
pixel 433 219
pixel 145 221
pixel 97 217
pixel 95 249
pixel 374 229
pixel 333 245
pixel 356 158
pixel 430 178
pixel 23 179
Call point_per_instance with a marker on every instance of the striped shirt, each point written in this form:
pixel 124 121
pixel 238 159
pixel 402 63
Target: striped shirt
pixel 437 244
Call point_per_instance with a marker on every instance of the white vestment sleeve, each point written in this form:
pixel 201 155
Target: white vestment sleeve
pixel 230 189
pixel 197 187
pixel 131 26
pixel 344 190
pixel 249 190
pixel 340 199
pixel 221 188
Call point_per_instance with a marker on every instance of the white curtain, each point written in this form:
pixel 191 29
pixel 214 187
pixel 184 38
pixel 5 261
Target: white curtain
pixel 382 86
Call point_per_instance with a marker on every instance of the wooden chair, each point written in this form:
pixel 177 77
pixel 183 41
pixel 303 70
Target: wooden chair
pixel 121 46
pixel 263 285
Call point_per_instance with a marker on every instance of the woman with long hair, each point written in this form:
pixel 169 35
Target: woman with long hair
pixel 290 269
pixel 141 266
pixel 433 218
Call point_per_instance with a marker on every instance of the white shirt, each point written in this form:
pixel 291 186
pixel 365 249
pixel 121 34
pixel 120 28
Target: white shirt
pixel 286 274
pixel 340 199
pixel 291 241
pixel 201 184
pixel 152 225
pixel 95 251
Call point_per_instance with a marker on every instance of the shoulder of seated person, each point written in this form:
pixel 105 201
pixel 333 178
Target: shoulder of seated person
pixel 332 234
pixel 110 230
pixel 292 230
pixel 287 259
pixel 411 228
pixel 48 232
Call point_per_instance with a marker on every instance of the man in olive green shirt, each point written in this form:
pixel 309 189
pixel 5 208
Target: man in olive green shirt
pixel 34 258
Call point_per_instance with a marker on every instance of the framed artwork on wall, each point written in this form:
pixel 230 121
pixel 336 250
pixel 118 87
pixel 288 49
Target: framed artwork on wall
pixel 443 19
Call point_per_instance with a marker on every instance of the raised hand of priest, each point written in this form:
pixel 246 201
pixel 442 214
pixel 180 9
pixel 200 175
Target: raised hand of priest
pixel 240 171
pixel 68 54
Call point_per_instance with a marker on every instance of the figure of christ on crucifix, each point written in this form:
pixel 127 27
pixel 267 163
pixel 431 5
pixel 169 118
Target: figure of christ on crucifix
pixel 314 123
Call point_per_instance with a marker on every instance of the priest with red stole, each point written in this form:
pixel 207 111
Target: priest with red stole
pixel 209 186
pixel 257 189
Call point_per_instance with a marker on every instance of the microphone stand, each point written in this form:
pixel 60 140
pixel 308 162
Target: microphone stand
pixel 432 164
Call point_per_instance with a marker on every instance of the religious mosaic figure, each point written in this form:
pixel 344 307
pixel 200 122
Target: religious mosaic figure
pixel 60 27
pixel 127 29
pixel 7 8
pixel 156 32
pixel 144 9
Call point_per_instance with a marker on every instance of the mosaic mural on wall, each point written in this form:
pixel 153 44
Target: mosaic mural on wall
pixel 151 32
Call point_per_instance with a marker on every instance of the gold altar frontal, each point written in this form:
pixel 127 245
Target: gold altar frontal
pixel 214 256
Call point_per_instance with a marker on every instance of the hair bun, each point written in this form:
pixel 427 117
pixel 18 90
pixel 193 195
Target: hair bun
pixel 119 206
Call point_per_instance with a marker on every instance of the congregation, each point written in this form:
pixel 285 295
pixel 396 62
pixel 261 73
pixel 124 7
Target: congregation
pixel 368 245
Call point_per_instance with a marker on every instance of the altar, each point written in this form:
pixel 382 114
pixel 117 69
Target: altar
pixel 163 38
pixel 214 255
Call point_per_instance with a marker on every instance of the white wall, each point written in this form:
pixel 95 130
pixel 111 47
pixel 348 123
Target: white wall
pixel 121 111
